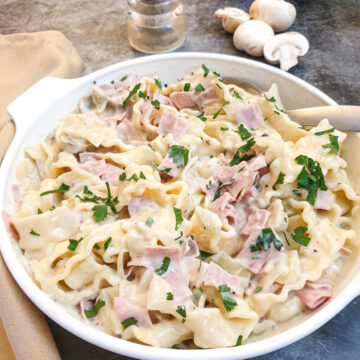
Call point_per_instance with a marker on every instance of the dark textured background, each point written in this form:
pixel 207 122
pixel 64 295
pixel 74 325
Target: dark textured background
pixel 98 31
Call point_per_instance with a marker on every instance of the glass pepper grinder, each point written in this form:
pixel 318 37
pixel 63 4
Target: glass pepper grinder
pixel 155 26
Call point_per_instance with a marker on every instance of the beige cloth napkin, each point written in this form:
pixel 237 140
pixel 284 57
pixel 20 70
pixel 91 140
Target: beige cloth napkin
pixel 25 59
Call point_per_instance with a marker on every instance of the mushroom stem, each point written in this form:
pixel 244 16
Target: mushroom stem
pixel 288 57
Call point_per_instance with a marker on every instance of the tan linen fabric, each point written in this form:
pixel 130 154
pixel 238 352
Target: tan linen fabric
pixel 25 59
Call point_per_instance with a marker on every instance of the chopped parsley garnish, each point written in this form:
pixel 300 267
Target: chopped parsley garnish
pixel 100 212
pixel 237 159
pixel 34 233
pixel 178 217
pixel 87 191
pixel 122 176
pixel 333 145
pixel 149 222
pixel 129 321
pixel 73 244
pixel 257 289
pixel 272 99
pixel 303 128
pixel 248 145
pixel 187 87
pixel 179 155
pixel 206 70
pixel 218 112
pixel 228 301
pixel 235 93
pixel 255 179
pixel 239 340
pixel 107 243
pixel 62 190
pixel 244 134
pixel 39 211
pixel 164 266
pixel 296 192
pixel 216 74
pixel 93 312
pixel 279 181
pixel 131 93
pixel 286 239
pixel 299 236
pixel 218 191
pixel 96 247
pixel 179 237
pixel 202 117
pixel 310 177
pixel 218 86
pixel 123 78
pixel 181 311
pixel 325 132
pixel 276 112
pixel 224 128
pixel 169 296
pixel 156 104
pixel 158 83
pixel 264 241
pixel 199 88
pixel 142 175
pixel 204 255
pixel 164 171
pixel 141 95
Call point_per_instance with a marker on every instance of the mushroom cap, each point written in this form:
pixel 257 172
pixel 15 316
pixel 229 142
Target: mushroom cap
pixel 286 49
pixel 231 18
pixel 279 14
pixel 251 37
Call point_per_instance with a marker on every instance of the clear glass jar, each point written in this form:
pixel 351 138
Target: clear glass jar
pixel 155 26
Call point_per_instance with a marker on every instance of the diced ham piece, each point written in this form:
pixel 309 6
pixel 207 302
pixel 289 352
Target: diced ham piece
pixel 183 99
pixel 257 163
pixel 206 96
pixel 255 261
pixel 250 116
pixel 88 156
pixel 96 168
pixel 179 283
pixel 314 293
pixel 162 99
pixel 125 131
pixel 137 203
pixel 126 308
pixel 9 227
pixel 190 248
pixel 115 119
pixel 273 288
pixel 40 168
pixel 85 305
pixel 217 276
pixel 168 163
pixel 324 200
pixel 17 195
pixel 111 174
pixel 256 220
pixel 166 123
pixel 180 128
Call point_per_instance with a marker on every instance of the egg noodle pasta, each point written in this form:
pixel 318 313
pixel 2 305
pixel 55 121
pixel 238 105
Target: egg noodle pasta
pixel 186 215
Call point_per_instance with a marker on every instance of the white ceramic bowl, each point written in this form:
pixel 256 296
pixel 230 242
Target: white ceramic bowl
pixel 36 113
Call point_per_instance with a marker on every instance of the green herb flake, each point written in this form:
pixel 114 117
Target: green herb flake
pixel 206 70
pixel 156 104
pixel 164 266
pixel 333 145
pixel 243 132
pixel 142 175
pixel 149 222
pixel 235 93
pixel 187 87
pixel 169 296
pixel 131 93
pixel 107 243
pixel 122 176
pixel 87 191
pixel 96 247
pixel 204 255
pixel 129 321
pixel 123 78
pixel 216 74
pixel 296 193
pixel 228 301
pixel 62 190
pixel 272 99
pixel 257 289
pixel 202 117
pixel 218 192
pixel 39 211
pixel 237 159
pixel 324 132
pixel 286 239
pixel 93 312
pixel 178 217
pixel 73 244
pixel 219 86
pixel 100 212
pixel 303 128
pixel 239 340
pixel 164 171
pixel 276 112
pixel 300 237
pixel 181 311
pixel 224 128
pixel 199 88
pixel 141 95
pixel 310 177
pixel 179 155
pixel 218 112
pixel 263 242
pixel 279 180
pixel 250 143
pixel 158 83
pixel 34 233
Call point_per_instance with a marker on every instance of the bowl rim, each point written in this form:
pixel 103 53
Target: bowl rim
pixel 111 343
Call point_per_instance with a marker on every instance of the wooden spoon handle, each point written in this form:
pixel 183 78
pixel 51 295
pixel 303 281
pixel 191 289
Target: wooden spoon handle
pixel 342 117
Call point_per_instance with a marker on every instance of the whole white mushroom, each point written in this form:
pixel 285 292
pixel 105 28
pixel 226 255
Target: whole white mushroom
pixel 286 49
pixel 231 18
pixel 251 37
pixel 279 14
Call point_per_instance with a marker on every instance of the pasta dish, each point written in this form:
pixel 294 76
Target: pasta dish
pixel 188 215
